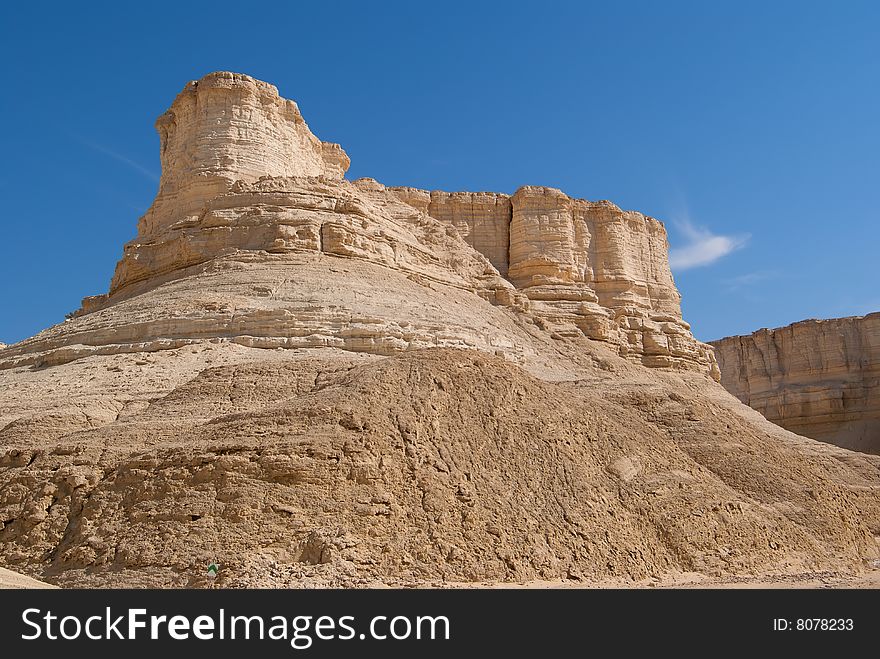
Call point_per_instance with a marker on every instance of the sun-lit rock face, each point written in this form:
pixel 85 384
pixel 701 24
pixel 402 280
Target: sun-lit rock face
pixel 244 180
pixel 621 255
pixel 229 127
pixel 222 130
pixel 587 267
pixel 819 378
pixel 482 218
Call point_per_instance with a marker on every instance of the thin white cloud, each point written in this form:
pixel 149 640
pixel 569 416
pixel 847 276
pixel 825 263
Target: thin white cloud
pixel 747 280
pixel 702 247
pixel 149 173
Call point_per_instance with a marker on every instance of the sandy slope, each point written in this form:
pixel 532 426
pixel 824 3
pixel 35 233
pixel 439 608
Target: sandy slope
pixel 321 467
pixel 10 580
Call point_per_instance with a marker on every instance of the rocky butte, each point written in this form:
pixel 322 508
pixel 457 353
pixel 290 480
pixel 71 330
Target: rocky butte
pixel 819 378
pixel 318 381
pixel 245 181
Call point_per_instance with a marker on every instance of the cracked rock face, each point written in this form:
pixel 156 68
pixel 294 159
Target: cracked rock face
pixel 317 381
pixel 228 127
pixel 819 378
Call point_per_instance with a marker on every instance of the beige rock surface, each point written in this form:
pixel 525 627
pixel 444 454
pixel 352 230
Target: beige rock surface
pixel 228 127
pixel 327 467
pixel 322 382
pixel 587 267
pixel 481 218
pixel 244 181
pixel 819 378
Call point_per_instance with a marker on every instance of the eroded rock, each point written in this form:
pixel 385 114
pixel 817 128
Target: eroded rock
pixel 819 378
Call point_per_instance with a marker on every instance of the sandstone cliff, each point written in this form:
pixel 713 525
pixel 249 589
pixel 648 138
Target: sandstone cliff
pixel 325 382
pixel 245 181
pixel 587 267
pixel 819 378
pixel 255 238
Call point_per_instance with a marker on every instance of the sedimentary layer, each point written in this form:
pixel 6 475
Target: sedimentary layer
pixel 244 179
pixel 819 378
pixel 587 267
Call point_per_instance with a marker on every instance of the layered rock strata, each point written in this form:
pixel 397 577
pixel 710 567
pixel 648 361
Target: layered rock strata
pixel 818 378
pixel 481 218
pixel 245 180
pixel 224 128
pixel 587 267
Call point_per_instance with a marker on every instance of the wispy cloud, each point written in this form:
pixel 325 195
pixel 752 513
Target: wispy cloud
pixel 702 247
pixel 747 280
pixel 149 173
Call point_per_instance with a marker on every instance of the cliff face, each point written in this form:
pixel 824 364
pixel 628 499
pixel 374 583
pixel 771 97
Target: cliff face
pixel 481 218
pixel 244 179
pixel 587 267
pixel 223 131
pixel 818 378
pixel 229 127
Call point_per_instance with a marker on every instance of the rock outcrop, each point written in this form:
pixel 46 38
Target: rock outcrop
pixel 245 180
pixel 587 267
pixel 320 382
pixel 481 218
pixel 818 378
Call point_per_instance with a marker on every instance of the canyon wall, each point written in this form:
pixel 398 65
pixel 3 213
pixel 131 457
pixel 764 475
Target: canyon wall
pixel 230 127
pixel 481 218
pixel 818 378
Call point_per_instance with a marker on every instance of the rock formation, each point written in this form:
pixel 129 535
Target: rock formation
pixel 587 267
pixel 818 378
pixel 243 179
pixel 324 382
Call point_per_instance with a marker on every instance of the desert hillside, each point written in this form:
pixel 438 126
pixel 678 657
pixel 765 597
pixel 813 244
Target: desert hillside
pixel 317 381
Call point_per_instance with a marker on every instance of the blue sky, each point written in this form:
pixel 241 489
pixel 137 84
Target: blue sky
pixel 749 128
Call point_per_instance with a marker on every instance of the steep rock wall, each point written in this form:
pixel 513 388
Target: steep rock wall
pixel 481 218
pixel 818 378
pixel 222 129
pixel 587 267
